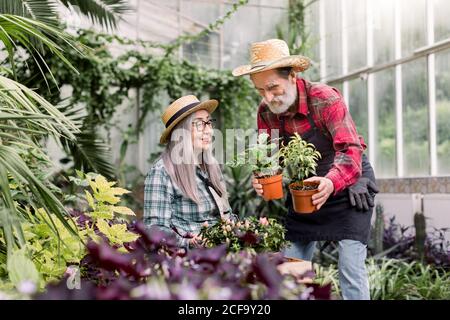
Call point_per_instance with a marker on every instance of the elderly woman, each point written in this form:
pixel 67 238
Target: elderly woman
pixel 184 189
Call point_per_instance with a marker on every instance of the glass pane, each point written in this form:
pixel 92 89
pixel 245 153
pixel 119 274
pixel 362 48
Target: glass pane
pixel 443 111
pixel 339 86
pixel 333 38
pixel 205 51
pixel 313 25
pixel 254 22
pixel 413 25
pixel 415 119
pixel 383 30
pixel 385 127
pixel 441 19
pixel 358 106
pixel 357 34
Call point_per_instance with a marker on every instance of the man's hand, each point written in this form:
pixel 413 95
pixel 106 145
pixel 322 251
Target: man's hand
pixel 326 188
pixel 362 194
pixel 257 186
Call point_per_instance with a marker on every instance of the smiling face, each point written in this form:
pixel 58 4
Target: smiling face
pixel 201 132
pixel 278 92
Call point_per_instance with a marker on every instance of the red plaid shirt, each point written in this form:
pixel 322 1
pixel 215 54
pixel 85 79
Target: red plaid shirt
pixel 331 116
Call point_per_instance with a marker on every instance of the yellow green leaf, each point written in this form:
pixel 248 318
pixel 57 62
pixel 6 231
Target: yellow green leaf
pixel 106 197
pixel 89 199
pixel 124 210
pixel 119 191
pixel 103 227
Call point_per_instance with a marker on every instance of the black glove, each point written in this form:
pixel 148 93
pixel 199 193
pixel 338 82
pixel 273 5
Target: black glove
pixel 362 194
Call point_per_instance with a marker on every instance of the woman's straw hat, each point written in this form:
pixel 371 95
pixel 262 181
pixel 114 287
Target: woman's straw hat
pixel 180 109
pixel 271 54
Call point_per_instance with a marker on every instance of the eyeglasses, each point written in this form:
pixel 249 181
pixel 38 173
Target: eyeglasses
pixel 201 125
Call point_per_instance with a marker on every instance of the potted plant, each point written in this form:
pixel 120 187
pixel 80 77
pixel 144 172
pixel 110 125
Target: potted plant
pixel 253 234
pixel 265 166
pixel 300 158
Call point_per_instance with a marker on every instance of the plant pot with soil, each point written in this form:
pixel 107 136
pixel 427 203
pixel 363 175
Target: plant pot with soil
pixel 264 163
pixel 300 159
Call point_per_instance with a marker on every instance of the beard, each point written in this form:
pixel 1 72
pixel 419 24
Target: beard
pixel 281 104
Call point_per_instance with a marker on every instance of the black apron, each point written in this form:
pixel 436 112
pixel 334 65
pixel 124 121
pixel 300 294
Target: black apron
pixel 336 219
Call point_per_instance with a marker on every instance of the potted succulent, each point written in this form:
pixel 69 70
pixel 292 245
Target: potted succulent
pixel 300 158
pixel 265 166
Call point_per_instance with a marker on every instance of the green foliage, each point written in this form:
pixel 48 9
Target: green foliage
pixel 103 12
pixel 327 275
pixel 37 38
pixel 21 268
pixel 297 34
pixel 241 195
pixel 397 280
pixel 50 247
pixel 260 157
pixel 249 234
pixel 105 82
pixel 391 279
pixel 301 158
pixel 103 202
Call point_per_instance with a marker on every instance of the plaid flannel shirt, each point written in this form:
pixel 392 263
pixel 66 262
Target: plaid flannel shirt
pixel 331 116
pixel 166 207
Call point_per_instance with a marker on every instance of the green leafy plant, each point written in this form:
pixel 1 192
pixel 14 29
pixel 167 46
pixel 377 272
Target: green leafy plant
pixel 392 279
pixel 259 157
pixel 49 247
pixel 257 235
pixel 103 12
pixel 103 202
pixel 300 157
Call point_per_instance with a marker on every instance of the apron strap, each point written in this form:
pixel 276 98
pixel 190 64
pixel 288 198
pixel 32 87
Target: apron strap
pixel 221 203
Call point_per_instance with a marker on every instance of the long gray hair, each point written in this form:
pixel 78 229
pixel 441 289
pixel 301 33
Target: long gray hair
pixel 181 167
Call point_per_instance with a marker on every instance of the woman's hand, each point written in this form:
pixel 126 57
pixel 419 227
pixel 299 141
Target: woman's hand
pixel 326 188
pixel 196 241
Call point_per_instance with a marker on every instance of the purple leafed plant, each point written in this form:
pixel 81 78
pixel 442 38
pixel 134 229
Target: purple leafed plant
pixel 154 268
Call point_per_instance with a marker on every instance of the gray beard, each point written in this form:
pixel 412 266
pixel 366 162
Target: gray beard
pixel 287 103
pixel 278 110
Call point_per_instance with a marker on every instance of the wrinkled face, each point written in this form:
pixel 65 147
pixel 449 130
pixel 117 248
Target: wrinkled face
pixel 202 129
pixel 277 92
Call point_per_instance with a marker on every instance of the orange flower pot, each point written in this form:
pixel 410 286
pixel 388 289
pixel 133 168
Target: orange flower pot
pixel 301 199
pixel 272 187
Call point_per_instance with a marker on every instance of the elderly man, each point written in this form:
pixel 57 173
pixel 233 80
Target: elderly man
pixel 347 183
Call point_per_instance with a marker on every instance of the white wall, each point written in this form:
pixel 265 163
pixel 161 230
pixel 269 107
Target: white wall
pixel 436 208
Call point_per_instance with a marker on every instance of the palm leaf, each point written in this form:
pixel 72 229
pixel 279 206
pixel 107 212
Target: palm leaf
pixel 103 12
pixel 11 163
pixel 90 154
pixel 35 37
pixel 41 10
pixel 18 100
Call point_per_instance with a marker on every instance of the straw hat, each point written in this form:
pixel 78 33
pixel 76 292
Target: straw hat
pixel 271 54
pixel 180 109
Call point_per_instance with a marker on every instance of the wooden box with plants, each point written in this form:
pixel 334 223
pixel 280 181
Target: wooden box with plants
pixel 264 163
pixel 300 159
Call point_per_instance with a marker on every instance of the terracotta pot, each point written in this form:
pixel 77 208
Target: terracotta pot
pixel 272 187
pixel 301 199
